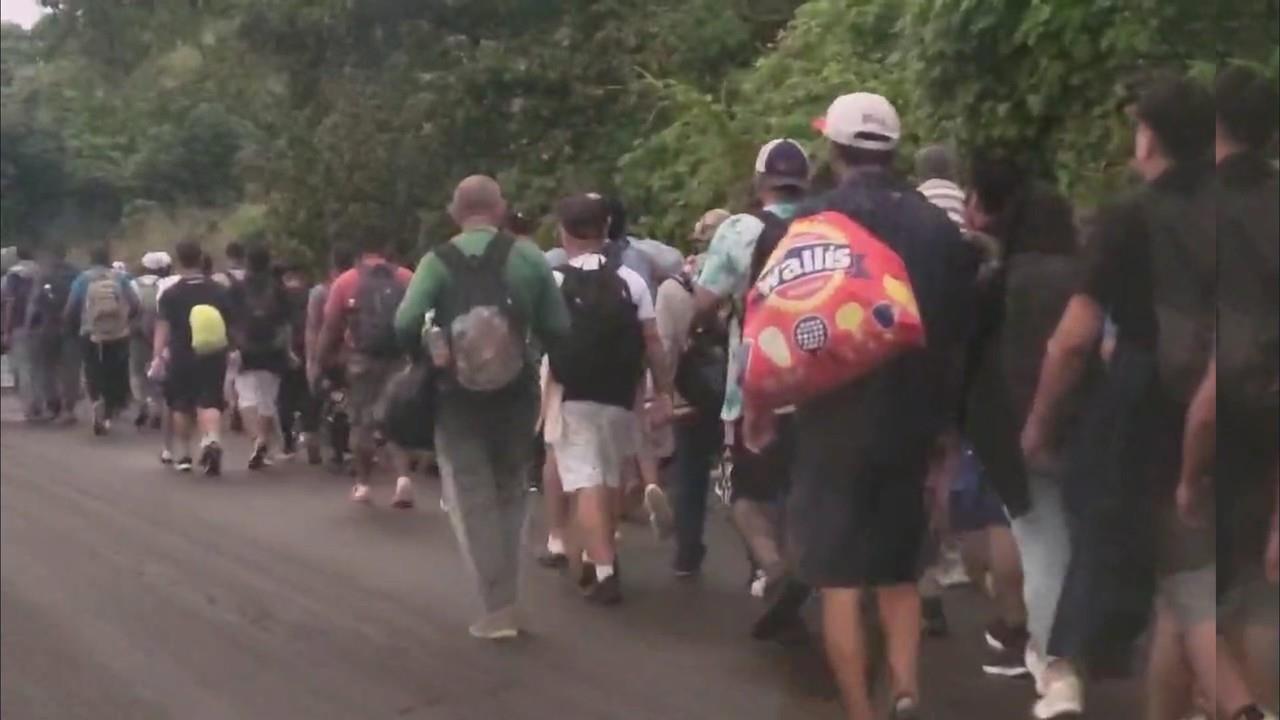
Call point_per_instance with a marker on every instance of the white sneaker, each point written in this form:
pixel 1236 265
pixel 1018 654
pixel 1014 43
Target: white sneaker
pixel 500 625
pixel 1036 665
pixel 360 493
pixel 403 499
pixel 1063 698
pixel 661 518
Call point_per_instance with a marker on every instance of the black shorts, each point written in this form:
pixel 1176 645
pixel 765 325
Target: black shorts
pixel 196 384
pixel 763 477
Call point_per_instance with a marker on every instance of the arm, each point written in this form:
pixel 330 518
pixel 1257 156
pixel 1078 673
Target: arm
pixel 1199 443
pixel 551 316
pixel 656 356
pixel 1065 360
pixel 160 343
pixel 419 297
pixel 726 264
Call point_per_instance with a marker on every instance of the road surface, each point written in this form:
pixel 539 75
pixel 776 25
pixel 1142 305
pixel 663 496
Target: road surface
pixel 132 593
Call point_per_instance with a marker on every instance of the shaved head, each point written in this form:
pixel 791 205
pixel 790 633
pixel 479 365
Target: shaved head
pixel 478 199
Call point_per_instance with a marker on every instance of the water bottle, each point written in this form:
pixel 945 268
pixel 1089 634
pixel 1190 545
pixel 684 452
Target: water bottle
pixel 437 343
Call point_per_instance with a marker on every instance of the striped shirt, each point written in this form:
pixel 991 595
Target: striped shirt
pixel 948 196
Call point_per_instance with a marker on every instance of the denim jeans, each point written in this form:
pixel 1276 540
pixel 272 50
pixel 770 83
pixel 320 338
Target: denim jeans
pixel 699 438
pixel 1044 542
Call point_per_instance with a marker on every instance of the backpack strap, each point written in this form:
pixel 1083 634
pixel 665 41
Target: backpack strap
pixel 497 251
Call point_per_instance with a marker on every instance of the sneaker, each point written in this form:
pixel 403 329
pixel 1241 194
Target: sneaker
pixel 554 561
pixel 905 708
pixel 659 509
pixel 784 597
pixel 403 499
pixel 100 424
pixel 933 618
pixel 605 592
pixel 211 459
pixel 757 584
pixel 1063 698
pixel 143 419
pixel 183 465
pixel 1001 637
pixel 500 625
pixel 166 457
pixel 258 460
pixel 1008 663
pixel 689 562
pixel 360 493
pixel 1037 664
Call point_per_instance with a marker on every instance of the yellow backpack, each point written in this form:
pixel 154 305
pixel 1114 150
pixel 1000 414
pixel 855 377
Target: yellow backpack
pixel 208 330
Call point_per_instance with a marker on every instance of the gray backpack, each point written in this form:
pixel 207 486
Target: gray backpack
pixel 106 311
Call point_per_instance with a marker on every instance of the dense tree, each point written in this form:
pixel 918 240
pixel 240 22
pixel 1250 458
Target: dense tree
pixel 344 118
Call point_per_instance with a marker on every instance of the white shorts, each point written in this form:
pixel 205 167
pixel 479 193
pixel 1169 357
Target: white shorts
pixel 258 389
pixel 594 440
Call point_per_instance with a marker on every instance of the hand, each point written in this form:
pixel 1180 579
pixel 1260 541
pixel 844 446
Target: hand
pixel 660 410
pixel 1035 445
pixel 1189 496
pixel 759 430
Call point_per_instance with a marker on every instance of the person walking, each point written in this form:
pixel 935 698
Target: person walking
pixel 156 266
pixel 485 292
pixel 101 306
pixel 190 353
pixel 56 345
pixel 262 350
pixel 600 366
pixel 16 294
pixel 862 451
pixel 359 327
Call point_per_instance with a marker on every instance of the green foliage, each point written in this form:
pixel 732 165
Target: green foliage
pixel 335 119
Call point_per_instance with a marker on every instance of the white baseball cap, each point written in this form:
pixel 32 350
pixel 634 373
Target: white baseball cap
pixel 861 120
pixel 156 260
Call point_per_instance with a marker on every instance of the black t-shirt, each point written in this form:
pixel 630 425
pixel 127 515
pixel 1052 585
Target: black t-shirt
pixel 175 307
pixel 275 359
pixel 882 426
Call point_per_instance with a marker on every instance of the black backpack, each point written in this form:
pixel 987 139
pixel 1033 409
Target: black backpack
pixel 50 300
pixel 1248 347
pixel 264 313
pixel 377 296
pixel 602 359
pixel 1181 238
pixel 487 334
pixel 703 367
pixel 775 228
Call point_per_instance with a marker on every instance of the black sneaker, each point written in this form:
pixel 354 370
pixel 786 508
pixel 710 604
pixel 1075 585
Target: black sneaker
pixel 1001 637
pixel 554 561
pixel 785 598
pixel 934 618
pixel 587 578
pixel 258 460
pixel 689 561
pixel 605 592
pixel 99 428
pixel 211 459
pixel 1009 663
pixel 183 464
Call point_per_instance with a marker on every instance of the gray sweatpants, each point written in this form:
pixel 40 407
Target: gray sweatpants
pixel 1044 543
pixel 485 449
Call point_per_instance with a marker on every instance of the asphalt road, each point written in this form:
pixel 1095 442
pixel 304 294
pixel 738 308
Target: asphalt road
pixel 129 592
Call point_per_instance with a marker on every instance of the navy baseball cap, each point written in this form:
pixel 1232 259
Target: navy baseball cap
pixel 782 163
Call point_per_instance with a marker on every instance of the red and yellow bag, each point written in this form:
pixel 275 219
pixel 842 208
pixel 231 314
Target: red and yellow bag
pixel 832 304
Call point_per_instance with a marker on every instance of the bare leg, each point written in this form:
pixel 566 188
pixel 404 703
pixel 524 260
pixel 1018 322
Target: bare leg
pixel 555 503
pixel 843 637
pixel 182 427
pixel 1216 671
pixel 1169 680
pixel 1006 572
pixel 595 523
pixel 899 607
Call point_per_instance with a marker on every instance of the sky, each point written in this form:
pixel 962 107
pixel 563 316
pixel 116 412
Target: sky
pixel 22 12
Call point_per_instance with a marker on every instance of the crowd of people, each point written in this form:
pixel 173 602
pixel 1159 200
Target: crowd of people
pixel 1092 418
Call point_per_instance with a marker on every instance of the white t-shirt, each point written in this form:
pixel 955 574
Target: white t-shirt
pixel 637 288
